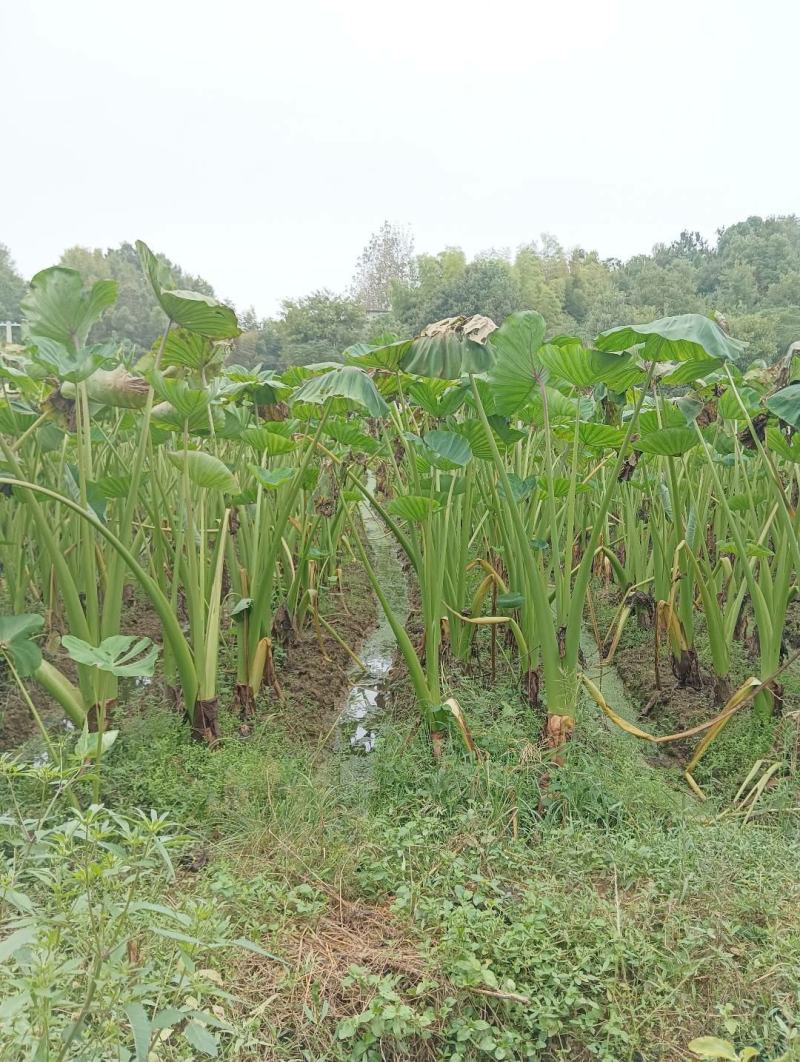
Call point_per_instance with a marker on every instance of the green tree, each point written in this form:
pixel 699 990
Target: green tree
pixel 786 291
pixel 269 345
pixel 12 287
pixel 738 288
pixel 759 331
pixel 689 247
pixel 751 275
pixel 767 333
pixel 537 291
pixel 136 318
pixel 489 286
pixel 318 327
pixel 418 303
pixel 589 280
pixel 665 284
pixel 770 247
pixel 610 309
pixel 448 286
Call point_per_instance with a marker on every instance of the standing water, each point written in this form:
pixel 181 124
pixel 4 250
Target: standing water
pixel 360 718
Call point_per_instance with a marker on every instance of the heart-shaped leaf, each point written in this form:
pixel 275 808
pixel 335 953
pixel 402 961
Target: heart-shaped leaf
pixel 123 655
pixel 729 407
pixel 516 368
pixel 347 382
pixel 72 365
pixel 445 357
pixel 204 469
pixel 691 371
pixel 560 486
pixel 265 441
pixel 560 408
pixel 570 361
pixel 686 337
pixel 114 486
pixel 786 404
pixel 187 401
pixel 521 488
pixel 58 307
pixel 445 449
pixel 413 507
pixel 272 478
pixel 190 350
pixel 200 313
pixel 473 432
pixel 600 436
pixel 15 417
pixel 789 450
pixel 189 309
pixel 666 416
pixel 439 398
pixel 387 356
pixel 347 433
pixel 667 442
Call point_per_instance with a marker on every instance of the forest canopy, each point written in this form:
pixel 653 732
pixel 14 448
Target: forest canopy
pixel 751 276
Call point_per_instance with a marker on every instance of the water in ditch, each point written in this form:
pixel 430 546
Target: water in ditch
pixel 359 723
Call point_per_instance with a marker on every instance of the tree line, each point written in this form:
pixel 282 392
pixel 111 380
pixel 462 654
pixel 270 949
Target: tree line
pixel 750 276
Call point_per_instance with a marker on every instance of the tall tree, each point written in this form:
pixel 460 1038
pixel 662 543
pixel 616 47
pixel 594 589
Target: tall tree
pixel 387 259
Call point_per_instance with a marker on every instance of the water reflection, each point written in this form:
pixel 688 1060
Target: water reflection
pixel 360 720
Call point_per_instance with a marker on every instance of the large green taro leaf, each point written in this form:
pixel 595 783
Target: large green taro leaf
pixel 686 337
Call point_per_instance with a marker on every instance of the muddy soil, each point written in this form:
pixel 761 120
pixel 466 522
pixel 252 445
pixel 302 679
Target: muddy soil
pixel 315 675
pixel 793 625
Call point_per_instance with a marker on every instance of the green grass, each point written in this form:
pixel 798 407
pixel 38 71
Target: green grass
pixel 626 915
pixel 502 909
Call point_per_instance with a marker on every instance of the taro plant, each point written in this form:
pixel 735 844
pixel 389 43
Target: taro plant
pixel 89 571
pixel 186 664
pixel 523 366
pixel 626 359
pixel 266 516
pixel 59 314
pixel 509 467
pixel 120 655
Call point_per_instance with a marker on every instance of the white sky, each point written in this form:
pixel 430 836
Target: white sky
pixel 260 143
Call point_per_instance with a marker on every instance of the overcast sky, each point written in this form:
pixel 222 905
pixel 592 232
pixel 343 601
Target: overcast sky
pixel 260 143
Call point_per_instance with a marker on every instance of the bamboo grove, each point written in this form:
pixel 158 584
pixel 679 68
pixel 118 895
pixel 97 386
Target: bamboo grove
pixel 511 469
